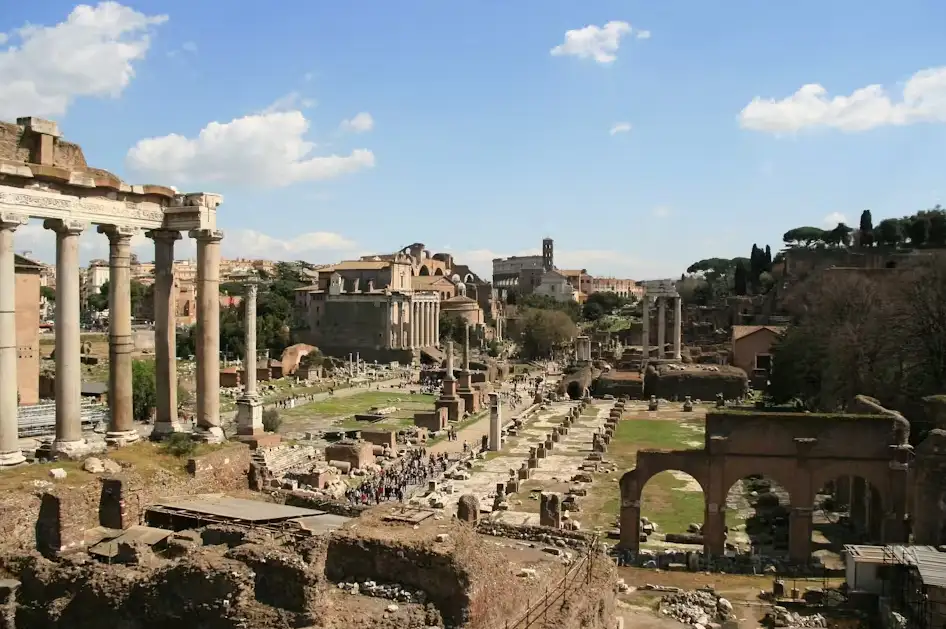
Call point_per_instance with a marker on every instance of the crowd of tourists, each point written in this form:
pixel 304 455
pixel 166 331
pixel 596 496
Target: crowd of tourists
pixel 394 482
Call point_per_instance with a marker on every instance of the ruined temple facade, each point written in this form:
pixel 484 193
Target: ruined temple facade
pixel 387 307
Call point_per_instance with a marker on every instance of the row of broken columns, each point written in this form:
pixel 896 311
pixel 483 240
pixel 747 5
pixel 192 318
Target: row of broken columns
pixel 68 441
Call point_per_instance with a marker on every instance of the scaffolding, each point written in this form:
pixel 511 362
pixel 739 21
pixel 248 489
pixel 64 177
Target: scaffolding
pixel 910 573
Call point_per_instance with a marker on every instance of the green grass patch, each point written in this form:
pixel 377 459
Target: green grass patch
pixel 407 403
pixel 663 500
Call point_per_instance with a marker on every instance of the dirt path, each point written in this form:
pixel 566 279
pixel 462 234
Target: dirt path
pixel 473 434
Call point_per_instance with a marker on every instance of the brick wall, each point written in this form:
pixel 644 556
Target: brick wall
pixel 227 466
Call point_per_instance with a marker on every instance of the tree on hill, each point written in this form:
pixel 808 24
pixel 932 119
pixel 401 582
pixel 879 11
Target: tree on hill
pixel 840 236
pixel 602 303
pixel 889 232
pixel 803 236
pixel 866 229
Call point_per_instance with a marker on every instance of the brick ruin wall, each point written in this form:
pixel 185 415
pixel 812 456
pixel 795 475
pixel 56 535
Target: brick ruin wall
pixel 55 518
pixel 698 384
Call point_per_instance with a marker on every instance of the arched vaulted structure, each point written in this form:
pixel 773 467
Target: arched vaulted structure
pixel 802 452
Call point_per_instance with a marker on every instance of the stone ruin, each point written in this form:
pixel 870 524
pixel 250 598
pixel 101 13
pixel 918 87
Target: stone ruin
pixel 550 510
pixel 468 509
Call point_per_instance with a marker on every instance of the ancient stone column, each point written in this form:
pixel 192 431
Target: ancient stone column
pixel 121 427
pixel 415 316
pixel 68 441
pixel 495 423
pixel 10 453
pixel 661 327
pixel 466 347
pixel 645 330
pixel 208 335
pixel 389 341
pixel 677 327
pixel 165 334
pixel 249 406
pixel 437 323
pixel 428 323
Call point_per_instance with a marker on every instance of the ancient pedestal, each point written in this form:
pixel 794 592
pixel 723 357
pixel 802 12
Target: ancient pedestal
pixel 448 393
pixel 470 397
pixel 495 423
pixel 468 509
pixel 550 510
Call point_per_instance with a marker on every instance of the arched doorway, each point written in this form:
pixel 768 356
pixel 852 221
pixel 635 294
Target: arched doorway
pixel 847 510
pixel 424 271
pixel 758 516
pixel 438 271
pixel 673 510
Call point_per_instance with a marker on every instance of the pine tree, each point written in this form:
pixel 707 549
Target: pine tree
pixel 867 229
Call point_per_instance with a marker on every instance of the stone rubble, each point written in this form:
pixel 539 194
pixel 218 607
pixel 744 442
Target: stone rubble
pixel 781 617
pixel 390 591
pixel 700 607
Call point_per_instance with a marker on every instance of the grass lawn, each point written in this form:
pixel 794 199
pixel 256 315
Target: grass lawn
pixel 663 499
pixel 407 404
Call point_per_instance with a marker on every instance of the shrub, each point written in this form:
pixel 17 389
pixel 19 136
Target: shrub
pixel 180 444
pixel 271 420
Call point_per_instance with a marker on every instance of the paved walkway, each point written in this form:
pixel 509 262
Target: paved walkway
pixel 473 434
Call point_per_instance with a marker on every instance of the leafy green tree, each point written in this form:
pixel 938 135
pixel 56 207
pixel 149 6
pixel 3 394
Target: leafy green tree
pixel 543 331
pixel 866 229
pixel 804 236
pixel 602 303
pixel 937 230
pixel 144 389
pixel 98 302
pixel 889 232
pixel 47 293
pixel 545 302
pixel 918 229
pixel 840 236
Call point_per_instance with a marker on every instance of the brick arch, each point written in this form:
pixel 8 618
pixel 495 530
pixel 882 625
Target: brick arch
pixel 423 271
pixel 782 471
pixel 649 464
pixel 438 271
pixel 876 475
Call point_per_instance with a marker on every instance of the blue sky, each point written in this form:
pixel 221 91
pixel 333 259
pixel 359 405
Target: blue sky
pixel 475 138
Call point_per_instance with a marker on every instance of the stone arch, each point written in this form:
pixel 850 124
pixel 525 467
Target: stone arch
pixel 850 508
pixel 424 271
pixel 650 463
pixel 438 271
pixel 468 278
pixel 758 510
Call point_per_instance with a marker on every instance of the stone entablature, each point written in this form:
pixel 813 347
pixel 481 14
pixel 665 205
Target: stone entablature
pixel 44 177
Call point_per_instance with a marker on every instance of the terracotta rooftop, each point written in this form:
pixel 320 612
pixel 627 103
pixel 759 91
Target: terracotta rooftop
pixel 358 265
pixel 742 331
pixel 572 272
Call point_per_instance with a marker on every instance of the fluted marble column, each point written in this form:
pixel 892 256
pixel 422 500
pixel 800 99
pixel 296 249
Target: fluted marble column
pixel 121 427
pixel 437 323
pixel 10 453
pixel 661 327
pixel 208 335
pixel 165 334
pixel 645 329
pixel 677 327
pixel 415 316
pixel 68 441
pixel 424 324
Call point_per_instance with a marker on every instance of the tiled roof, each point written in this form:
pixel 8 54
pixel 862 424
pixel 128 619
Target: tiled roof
pixel 742 331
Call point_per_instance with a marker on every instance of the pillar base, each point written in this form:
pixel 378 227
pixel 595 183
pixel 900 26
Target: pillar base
pixel 70 449
pixel 121 438
pixel 209 434
pixel 162 429
pixel 11 458
pixel 249 416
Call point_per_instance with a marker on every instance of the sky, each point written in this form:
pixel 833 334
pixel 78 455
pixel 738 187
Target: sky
pixel 640 135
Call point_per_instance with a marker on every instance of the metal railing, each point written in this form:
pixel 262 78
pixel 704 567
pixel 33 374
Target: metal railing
pixel 37 420
pixel 579 572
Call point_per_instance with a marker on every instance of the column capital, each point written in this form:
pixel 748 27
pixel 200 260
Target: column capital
pixel 11 220
pixel 206 235
pixel 67 227
pixel 118 234
pixel 163 235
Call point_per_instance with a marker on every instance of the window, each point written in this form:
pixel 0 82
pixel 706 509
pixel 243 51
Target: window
pixel 763 361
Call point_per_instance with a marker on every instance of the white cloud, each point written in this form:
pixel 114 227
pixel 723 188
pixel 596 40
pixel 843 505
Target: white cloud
pixel 293 101
pixel 923 100
pixel 620 127
pixel 642 35
pixel 361 123
pixel 45 68
pixel 600 43
pixel 189 46
pixel 266 149
pixel 661 211
pixel 832 219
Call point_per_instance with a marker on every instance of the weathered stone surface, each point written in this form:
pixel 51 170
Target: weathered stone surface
pixel 468 509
